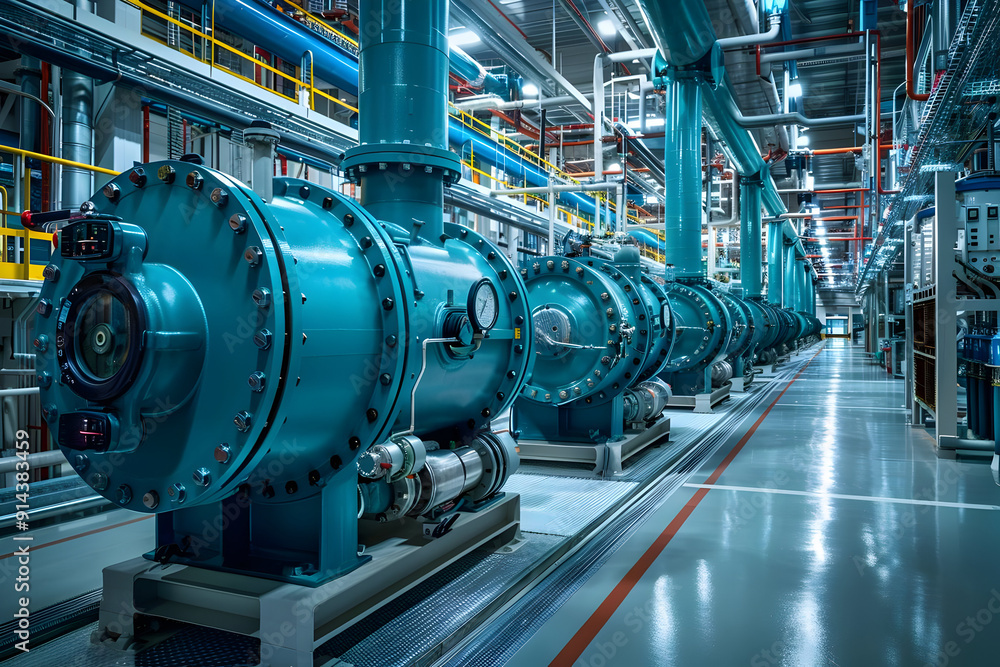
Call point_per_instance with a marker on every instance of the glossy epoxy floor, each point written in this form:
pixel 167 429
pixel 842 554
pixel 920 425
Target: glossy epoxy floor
pixel 833 535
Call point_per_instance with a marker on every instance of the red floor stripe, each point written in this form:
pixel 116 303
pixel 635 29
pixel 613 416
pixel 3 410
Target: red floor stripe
pixel 35 547
pixel 586 634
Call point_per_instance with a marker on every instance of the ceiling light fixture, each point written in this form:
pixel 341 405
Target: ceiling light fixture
pixel 606 28
pixel 463 38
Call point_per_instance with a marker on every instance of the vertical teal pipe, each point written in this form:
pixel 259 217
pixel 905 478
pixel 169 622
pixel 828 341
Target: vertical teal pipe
pixel 750 235
pixel 682 150
pixel 791 283
pixel 403 159
pixel 775 262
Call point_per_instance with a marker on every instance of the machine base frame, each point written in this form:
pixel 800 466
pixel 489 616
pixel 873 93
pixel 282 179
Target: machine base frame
pixel 605 457
pixel 701 403
pixel 291 620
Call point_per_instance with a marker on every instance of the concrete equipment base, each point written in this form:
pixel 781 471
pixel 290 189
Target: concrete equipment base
pixel 701 403
pixel 606 457
pixel 291 620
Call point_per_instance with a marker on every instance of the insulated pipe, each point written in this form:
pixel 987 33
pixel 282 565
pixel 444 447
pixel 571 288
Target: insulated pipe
pixel 945 14
pixel 29 76
pixel 767 120
pixel 569 187
pixel 682 194
pixel 774 29
pixel 481 102
pixel 775 262
pixel 77 137
pixel 598 113
pixel 750 233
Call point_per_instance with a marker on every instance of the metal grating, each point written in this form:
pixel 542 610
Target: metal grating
pixel 953 118
pixel 564 505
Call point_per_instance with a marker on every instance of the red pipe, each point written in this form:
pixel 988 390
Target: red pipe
pixel 911 57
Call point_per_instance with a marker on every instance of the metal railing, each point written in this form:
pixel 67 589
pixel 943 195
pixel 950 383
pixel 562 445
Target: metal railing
pixel 16 261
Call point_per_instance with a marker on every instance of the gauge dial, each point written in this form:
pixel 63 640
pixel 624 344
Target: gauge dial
pixel 484 305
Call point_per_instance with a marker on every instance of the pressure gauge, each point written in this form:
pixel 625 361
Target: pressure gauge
pixel 484 305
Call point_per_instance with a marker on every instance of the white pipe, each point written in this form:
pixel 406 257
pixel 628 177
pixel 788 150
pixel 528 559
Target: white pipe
pixel 26 391
pixel 767 120
pixel 480 102
pixel 34 460
pixel 638 54
pixel 774 29
pixel 598 114
pixel 545 189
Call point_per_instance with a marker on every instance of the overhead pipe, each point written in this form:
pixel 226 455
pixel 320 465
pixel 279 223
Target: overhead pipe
pixel 483 102
pixel 77 137
pixel 774 29
pixel 815 52
pixel 568 187
pixel 792 118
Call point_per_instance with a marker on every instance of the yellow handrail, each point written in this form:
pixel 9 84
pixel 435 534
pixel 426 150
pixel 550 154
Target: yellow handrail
pixel 56 160
pixel 25 270
pixel 295 81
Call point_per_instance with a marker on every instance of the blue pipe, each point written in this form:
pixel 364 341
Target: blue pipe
pixel 273 31
pixel 490 152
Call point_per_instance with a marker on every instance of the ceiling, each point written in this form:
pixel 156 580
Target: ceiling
pixel 558 31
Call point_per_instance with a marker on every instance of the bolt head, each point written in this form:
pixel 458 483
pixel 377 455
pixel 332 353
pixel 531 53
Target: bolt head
pixel 99 481
pixel 80 462
pixel 222 453
pixel 166 173
pixel 112 192
pixel 219 197
pixel 253 255
pixel 243 421
pixel 238 223
pixel 177 493
pixel 262 297
pixel 256 381
pixel 195 180
pixel 202 476
pixel 123 495
pixel 138 177
pixel 51 273
pixel 262 339
pixel 151 500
